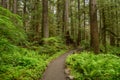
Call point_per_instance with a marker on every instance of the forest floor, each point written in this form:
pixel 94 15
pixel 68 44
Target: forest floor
pixel 56 69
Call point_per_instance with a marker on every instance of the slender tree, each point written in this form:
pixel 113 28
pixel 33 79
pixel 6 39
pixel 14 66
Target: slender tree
pixel 8 4
pixel 15 6
pixel 66 21
pixel 4 3
pixel 45 28
pixel 65 16
pixel 72 18
pixel 84 34
pixel 104 42
pixel 59 17
pixel 24 15
pixel 79 25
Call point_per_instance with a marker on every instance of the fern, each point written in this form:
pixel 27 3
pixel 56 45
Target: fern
pixel 90 66
pixel 11 26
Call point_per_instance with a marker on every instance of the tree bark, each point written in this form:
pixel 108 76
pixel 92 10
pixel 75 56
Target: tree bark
pixel 79 25
pixel 4 3
pixel 15 6
pixel 104 35
pixel 58 17
pixel 113 24
pixel 66 21
pixel 84 34
pixel 45 28
pixel 94 27
pixel 8 4
pixel 24 15
pixel 65 16
pixel 72 21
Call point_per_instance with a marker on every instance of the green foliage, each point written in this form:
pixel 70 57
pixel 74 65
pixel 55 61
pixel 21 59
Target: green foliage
pixel 11 27
pixel 54 44
pixel 6 46
pixel 22 64
pixel 111 50
pixel 114 50
pixel 85 44
pixel 88 66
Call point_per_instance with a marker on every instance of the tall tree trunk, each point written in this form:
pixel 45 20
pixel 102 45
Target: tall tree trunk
pixel 79 25
pixel 100 25
pixel 37 22
pixel 104 30
pixel 8 4
pixel 45 28
pixel 118 28
pixel 24 15
pixel 72 19
pixel 4 3
pixel 11 5
pixel 58 17
pixel 1 2
pixel 94 26
pixel 65 15
pixel 84 34
pixel 15 6
pixel 113 24
pixel 66 21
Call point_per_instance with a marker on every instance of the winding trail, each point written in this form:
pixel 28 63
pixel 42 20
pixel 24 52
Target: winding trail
pixel 55 70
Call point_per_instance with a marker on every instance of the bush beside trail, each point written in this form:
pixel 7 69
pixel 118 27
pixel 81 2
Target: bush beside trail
pixel 88 66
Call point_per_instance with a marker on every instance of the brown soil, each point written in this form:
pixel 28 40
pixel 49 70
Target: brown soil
pixel 55 70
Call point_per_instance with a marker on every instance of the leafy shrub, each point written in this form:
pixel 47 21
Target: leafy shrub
pixel 11 27
pixel 25 65
pixel 54 44
pixel 85 44
pixel 87 66
pixel 6 46
pixel 114 50
pixel 110 49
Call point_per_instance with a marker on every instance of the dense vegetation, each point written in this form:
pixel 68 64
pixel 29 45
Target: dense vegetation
pixel 88 66
pixel 34 32
pixel 24 64
pixel 21 63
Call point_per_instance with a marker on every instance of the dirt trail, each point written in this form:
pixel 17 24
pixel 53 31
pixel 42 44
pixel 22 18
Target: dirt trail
pixel 55 70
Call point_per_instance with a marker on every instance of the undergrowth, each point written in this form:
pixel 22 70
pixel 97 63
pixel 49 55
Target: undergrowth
pixel 16 62
pixel 88 66
pixel 110 50
pixel 22 64
pixel 11 27
pixel 114 50
pixel 54 44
